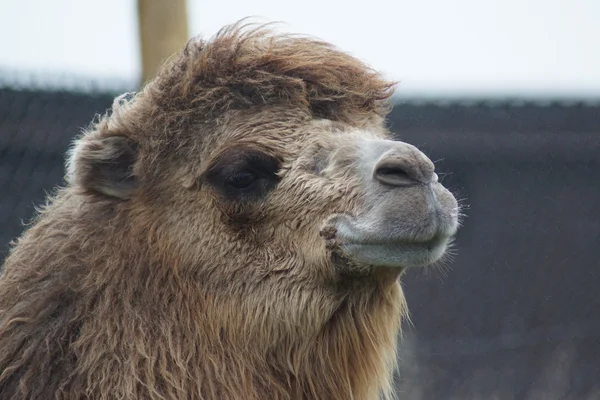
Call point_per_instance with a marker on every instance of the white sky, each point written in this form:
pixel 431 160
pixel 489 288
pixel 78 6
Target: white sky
pixel 435 47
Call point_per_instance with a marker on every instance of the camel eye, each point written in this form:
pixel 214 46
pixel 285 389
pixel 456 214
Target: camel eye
pixel 243 174
pixel 242 180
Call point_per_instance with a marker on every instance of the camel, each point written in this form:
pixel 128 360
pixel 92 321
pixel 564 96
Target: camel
pixel 237 229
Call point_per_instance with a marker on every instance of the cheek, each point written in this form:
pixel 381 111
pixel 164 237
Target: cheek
pixel 298 251
pixel 297 212
pixel 313 196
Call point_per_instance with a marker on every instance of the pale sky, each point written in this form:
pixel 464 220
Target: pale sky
pixel 434 47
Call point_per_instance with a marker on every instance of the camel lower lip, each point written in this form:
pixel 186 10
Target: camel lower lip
pixel 396 253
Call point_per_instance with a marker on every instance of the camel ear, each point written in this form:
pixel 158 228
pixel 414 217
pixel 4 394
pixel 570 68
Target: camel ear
pixel 103 165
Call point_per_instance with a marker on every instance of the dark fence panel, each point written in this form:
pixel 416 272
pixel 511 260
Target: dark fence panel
pixel 517 315
pixel 36 129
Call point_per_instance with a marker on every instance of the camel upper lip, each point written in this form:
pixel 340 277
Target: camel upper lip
pixel 441 233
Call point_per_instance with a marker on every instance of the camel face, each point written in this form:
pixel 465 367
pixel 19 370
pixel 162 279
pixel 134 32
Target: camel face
pixel 323 193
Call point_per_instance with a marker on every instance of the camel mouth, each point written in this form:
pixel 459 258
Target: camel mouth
pixel 380 250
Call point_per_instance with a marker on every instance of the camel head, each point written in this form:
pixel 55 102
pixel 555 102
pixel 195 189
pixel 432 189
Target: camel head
pixel 257 168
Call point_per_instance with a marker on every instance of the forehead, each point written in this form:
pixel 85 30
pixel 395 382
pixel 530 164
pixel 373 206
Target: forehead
pixel 280 129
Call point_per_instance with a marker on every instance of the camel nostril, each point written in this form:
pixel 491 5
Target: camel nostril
pixel 395 175
pixel 403 165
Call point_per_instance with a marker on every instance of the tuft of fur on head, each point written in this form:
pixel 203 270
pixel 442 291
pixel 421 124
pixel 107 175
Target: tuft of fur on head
pixel 245 65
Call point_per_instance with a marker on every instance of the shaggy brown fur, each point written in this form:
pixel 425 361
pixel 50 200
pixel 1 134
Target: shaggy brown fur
pixel 143 278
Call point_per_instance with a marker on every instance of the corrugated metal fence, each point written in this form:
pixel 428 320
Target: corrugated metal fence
pixel 517 316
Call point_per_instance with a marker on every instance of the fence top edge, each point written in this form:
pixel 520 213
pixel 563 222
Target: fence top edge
pixel 52 82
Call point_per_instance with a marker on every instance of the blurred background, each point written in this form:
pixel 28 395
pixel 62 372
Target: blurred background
pixel 503 95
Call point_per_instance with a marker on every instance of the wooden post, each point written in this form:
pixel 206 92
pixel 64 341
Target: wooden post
pixel 163 29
